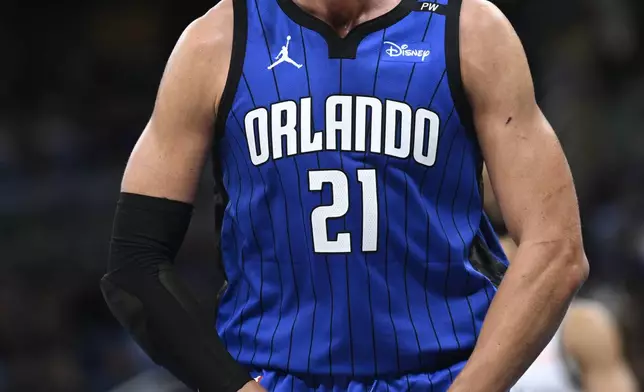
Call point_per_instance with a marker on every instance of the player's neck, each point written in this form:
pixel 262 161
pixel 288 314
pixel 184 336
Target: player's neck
pixel 344 15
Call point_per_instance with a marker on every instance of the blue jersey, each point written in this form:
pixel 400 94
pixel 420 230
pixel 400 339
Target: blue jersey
pixel 353 237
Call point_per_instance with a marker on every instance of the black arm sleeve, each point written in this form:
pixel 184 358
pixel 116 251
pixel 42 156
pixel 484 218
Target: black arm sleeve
pixel 146 296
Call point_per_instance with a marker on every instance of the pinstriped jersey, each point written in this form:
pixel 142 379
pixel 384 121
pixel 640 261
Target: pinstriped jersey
pixel 353 229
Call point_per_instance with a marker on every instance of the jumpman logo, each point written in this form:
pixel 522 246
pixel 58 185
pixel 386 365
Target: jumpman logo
pixel 282 56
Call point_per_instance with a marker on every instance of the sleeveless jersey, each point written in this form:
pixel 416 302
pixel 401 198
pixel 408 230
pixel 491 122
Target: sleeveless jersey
pixel 550 372
pixel 353 237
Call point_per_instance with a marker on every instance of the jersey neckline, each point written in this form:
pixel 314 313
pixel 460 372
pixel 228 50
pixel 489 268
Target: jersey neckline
pixel 347 47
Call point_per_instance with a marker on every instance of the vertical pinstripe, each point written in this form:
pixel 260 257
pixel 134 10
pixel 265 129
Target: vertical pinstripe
pixel 426 278
pixel 448 241
pixel 429 377
pixel 427 236
pixel 261 253
pixel 465 251
pixel 270 217
pixel 367 267
pixel 391 317
pixel 317 155
pixel 346 260
pixel 227 165
pixel 328 270
pixel 407 213
pixel 418 272
pixel 386 253
pixel 288 234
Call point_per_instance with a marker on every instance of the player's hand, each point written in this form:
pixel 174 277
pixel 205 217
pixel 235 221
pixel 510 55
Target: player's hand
pixel 252 386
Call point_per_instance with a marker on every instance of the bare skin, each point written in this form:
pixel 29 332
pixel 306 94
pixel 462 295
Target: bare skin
pixel 169 157
pixel 590 336
pixel 527 168
pixel 532 181
pixel 592 339
pixel 345 15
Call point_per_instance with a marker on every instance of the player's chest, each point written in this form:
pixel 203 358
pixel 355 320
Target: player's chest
pixel 390 99
pixel 291 103
pixel 340 122
pixel 287 66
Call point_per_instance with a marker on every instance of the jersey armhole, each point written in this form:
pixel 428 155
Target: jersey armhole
pixel 235 70
pixel 453 59
pixel 237 58
pixel 455 77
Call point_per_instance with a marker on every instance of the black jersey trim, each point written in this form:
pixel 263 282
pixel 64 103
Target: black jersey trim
pixel 236 67
pixel 237 57
pixel 347 47
pixel 453 58
pixel 428 6
pixel 455 77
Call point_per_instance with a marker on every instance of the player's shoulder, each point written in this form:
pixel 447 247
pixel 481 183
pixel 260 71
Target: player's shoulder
pixel 200 61
pixel 490 50
pixel 482 20
pixel 481 14
pixel 211 34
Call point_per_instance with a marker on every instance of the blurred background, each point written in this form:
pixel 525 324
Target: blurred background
pixel 78 85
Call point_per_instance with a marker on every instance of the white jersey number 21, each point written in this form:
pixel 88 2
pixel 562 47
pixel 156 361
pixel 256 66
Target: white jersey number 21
pixel 340 206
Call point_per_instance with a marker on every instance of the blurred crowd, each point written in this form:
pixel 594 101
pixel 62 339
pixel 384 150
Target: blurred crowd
pixel 79 85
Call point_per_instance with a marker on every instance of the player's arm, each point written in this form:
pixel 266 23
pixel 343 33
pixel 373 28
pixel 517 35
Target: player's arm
pixel 154 210
pixel 534 186
pixel 592 339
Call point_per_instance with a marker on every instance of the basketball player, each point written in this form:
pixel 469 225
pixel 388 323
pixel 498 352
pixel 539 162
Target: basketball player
pixel 585 354
pixel 352 234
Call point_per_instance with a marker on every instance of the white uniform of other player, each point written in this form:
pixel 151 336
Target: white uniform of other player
pixel 550 372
